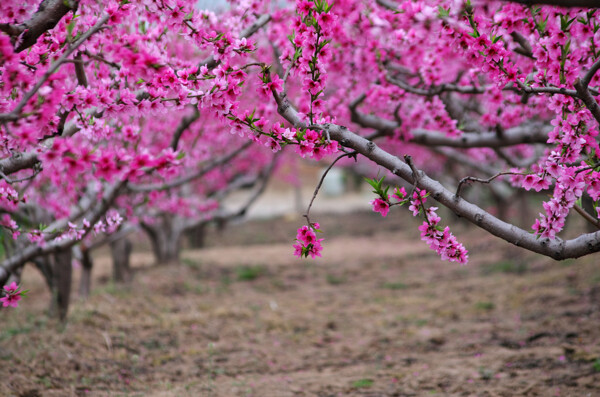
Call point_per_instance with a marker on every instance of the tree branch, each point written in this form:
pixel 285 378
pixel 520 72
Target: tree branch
pixel 18 162
pixel 188 178
pixel 211 63
pixel 11 263
pixel 560 3
pixel 556 248
pixel 49 13
pixel 513 136
pixel 588 99
pixel 16 112
pixel 185 123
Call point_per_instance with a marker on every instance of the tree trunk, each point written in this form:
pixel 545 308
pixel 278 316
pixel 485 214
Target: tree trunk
pixel 62 275
pixel 85 282
pixel 197 236
pixel 121 254
pixel 165 237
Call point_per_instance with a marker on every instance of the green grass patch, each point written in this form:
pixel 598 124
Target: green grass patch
pixel 362 383
pixel 485 305
pixel 395 285
pixel 192 264
pixel 249 273
pixel 507 267
pixel 332 279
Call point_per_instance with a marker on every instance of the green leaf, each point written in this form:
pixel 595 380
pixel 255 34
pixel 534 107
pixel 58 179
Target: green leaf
pixel 442 12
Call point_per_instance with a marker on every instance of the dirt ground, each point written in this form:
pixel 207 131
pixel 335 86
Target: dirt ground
pixel 379 315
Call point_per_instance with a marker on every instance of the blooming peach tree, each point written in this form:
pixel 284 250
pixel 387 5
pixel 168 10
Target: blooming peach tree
pixel 97 100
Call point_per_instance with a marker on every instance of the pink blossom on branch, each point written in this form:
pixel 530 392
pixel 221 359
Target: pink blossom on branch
pixel 12 295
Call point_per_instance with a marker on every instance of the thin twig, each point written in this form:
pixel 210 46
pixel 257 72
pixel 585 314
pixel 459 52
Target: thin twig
pixel 306 215
pixel 473 179
pixel 36 170
pixel 587 216
pixel 415 173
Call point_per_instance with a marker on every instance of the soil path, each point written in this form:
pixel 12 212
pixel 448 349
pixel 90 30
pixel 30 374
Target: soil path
pixel 379 315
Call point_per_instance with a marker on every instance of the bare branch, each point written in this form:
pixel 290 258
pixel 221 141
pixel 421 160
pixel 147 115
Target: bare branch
pixel 587 216
pixel 316 192
pixel 80 71
pixel 469 179
pixel 533 133
pixel 18 162
pixel 185 123
pixel 590 74
pixel 388 4
pixel 525 48
pixel 36 170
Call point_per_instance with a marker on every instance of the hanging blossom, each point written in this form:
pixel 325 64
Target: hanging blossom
pixel 308 244
pixel 439 239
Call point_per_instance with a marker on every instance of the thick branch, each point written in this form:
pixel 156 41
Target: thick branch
pixel 49 13
pixel 18 162
pixel 557 248
pixel 514 136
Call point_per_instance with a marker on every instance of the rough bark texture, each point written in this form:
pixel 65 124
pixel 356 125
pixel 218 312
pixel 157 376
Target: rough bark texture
pixel 121 254
pixel 57 270
pixel 45 18
pixel 63 275
pixel 197 236
pixel 165 236
pixel 85 283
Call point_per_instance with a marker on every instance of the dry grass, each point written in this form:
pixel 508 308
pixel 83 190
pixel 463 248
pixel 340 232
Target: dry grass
pixel 378 316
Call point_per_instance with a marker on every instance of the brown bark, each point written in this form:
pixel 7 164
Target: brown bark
pixel 85 283
pixel 49 13
pixel 121 253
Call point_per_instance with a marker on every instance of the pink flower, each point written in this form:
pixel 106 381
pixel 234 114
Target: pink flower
pixel 10 300
pixel 304 7
pixel 13 295
pixel 308 244
pixel 381 206
pixel 12 288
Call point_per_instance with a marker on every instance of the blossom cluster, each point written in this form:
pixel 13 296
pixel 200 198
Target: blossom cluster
pixel 307 242
pixel 12 295
pixel 439 239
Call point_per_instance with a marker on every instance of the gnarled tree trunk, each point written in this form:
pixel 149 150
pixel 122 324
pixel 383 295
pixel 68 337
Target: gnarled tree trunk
pixel 165 237
pixel 85 283
pixel 121 253
pixel 57 270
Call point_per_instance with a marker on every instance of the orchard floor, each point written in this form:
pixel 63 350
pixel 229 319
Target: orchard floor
pixel 379 315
